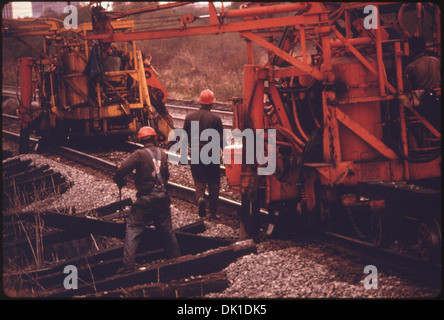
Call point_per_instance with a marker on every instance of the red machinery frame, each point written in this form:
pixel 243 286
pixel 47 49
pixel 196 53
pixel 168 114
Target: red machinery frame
pixel 260 26
pixel 349 122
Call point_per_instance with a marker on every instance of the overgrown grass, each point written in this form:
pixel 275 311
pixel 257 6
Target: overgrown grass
pixel 189 65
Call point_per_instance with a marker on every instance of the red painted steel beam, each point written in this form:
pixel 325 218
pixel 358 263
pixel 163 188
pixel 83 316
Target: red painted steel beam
pixel 363 60
pixel 207 30
pixel 256 11
pixel 25 102
pixel 120 14
pixel 284 55
pixel 374 142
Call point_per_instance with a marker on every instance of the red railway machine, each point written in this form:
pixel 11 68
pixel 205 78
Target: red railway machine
pixel 349 155
pixel 85 88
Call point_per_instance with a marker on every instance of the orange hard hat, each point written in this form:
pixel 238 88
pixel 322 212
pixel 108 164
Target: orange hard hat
pixel 207 97
pixel 146 132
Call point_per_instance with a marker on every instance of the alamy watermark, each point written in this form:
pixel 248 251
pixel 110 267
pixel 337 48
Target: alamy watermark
pixel 71 20
pixel 371 281
pixel 371 21
pixel 71 280
pixel 210 152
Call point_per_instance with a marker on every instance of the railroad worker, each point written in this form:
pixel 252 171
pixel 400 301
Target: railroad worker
pixel 424 72
pixel 423 82
pixel 112 61
pixel 153 201
pixel 205 174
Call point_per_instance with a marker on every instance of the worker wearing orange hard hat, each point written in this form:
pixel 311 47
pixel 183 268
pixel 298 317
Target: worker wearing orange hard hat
pixel 423 82
pixel 153 202
pixel 205 174
pixel 207 98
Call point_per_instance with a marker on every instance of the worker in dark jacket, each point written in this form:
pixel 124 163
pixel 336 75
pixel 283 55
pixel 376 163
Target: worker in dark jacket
pixel 153 202
pixel 205 174
pixel 424 72
pixel 423 76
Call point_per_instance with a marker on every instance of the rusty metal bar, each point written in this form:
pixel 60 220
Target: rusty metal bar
pixel 38 51
pixel 379 58
pixel 303 44
pixel 362 59
pixel 402 120
pixel 250 52
pixel 365 135
pixel 427 124
pixel 348 32
pixel 335 43
pixel 209 29
pixel 279 106
pixel 331 142
pixel 256 11
pixel 366 99
pixel 398 65
pixel 324 33
pixel 121 14
pixel 287 72
pixel 296 119
pixel 284 55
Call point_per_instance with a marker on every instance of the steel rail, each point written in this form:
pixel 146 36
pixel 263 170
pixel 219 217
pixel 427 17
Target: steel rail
pixel 379 257
pixel 132 145
pixel 10 91
pixel 182 119
pixel 175 189
pixel 190 109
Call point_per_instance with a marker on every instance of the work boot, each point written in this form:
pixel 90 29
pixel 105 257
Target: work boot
pixel 213 216
pixel 202 207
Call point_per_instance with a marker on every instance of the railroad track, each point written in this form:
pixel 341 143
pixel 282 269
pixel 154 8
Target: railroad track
pixel 9 90
pixel 178 121
pixel 339 242
pixel 364 250
pixel 176 189
pixel 202 259
pixel 78 240
pixel 177 108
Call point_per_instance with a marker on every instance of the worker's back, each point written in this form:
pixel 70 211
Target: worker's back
pixel 424 73
pixel 206 120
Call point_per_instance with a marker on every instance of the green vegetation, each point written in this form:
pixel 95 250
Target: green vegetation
pixel 186 66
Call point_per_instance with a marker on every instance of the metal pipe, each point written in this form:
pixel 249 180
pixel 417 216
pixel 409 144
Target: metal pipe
pixel 296 119
pixel 121 14
pixel 379 59
pixel 255 11
pixel 418 19
pixel 400 87
pixel 303 44
pixel 398 63
pixel 335 43
pixel 25 102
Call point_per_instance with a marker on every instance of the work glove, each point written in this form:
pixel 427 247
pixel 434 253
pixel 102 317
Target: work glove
pixel 120 181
